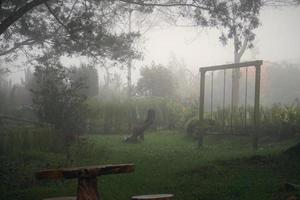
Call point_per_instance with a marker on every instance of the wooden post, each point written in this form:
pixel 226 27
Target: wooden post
pixel 87 189
pixel 201 106
pixel 256 106
pixel 202 91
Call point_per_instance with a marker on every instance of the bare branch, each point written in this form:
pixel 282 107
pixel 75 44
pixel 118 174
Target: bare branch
pixel 56 18
pixel 17 45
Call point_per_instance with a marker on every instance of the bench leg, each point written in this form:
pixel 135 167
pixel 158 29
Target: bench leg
pixel 87 189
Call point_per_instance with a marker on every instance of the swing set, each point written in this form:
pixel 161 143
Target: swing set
pixel 203 71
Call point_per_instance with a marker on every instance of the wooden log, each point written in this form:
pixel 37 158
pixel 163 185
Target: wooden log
pixel 87 178
pixel 139 129
pixel 153 197
pixel 84 172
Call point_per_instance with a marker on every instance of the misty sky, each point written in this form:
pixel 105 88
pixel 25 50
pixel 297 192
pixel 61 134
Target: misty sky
pixel 278 39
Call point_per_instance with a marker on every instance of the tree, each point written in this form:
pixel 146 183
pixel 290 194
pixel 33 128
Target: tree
pixel 57 99
pixel 187 82
pixel 76 18
pixel 88 75
pixel 88 27
pixel 237 20
pixel 156 81
pixel 84 28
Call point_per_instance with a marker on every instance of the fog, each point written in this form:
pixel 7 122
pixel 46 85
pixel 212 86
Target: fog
pixel 91 88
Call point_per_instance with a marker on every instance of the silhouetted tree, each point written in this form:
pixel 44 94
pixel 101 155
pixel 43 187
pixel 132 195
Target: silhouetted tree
pixel 88 75
pixel 57 99
pixel 156 81
pixel 55 28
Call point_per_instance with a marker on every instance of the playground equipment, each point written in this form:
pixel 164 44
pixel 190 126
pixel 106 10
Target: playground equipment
pixel 203 70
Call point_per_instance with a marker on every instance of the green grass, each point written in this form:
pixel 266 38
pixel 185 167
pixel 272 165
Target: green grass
pixel 168 162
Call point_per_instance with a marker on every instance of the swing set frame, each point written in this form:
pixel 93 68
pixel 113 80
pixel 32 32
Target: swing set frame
pixel 257 64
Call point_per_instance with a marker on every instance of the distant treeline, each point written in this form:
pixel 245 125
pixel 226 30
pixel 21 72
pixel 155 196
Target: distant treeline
pixel 172 91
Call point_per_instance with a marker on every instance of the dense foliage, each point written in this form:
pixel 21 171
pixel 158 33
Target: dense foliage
pixel 57 99
pixel 156 81
pixel 87 74
pixel 83 28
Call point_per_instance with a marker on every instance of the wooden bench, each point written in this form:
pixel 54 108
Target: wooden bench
pixel 87 178
pixel 153 197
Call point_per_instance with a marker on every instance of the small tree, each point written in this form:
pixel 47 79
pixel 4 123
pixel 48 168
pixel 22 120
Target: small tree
pixel 57 100
pixel 88 75
pixel 156 81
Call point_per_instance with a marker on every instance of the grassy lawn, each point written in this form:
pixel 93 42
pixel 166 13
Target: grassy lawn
pixel 168 162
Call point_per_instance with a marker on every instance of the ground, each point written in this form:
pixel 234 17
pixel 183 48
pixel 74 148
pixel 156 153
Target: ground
pixel 168 162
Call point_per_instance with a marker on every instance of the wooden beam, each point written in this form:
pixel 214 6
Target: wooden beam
pixel 231 66
pixel 84 172
pixel 202 91
pixel 87 177
pixel 201 107
pixel 256 106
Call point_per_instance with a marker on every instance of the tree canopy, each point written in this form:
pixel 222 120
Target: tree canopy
pixel 89 27
pixel 55 28
pixel 157 81
pixel 57 99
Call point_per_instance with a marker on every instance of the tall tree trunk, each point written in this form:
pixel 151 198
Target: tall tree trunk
pixel 129 84
pixel 236 79
pixel 129 64
pixel 238 53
